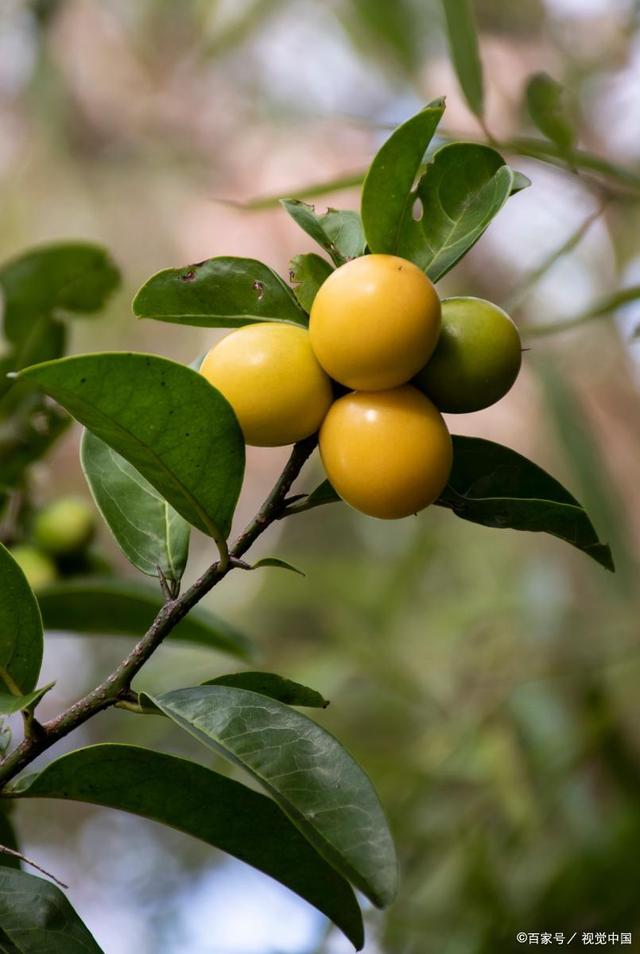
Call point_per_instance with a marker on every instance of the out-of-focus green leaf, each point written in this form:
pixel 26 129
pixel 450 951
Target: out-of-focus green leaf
pixel 465 55
pixel 463 188
pixel 308 773
pixel 199 802
pixel 497 487
pixel 586 462
pixel 276 562
pixel 579 158
pixel 27 435
pixel 386 32
pixel 165 419
pixel 8 839
pixel 310 191
pixel 115 608
pixel 602 308
pixel 151 534
pixel 388 191
pixel 62 278
pixel 10 703
pixel 218 293
pixel 36 918
pixel 20 629
pixel 308 272
pixel 545 100
pixel 276 687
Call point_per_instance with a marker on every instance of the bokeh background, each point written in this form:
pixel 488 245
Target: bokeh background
pixel 487 680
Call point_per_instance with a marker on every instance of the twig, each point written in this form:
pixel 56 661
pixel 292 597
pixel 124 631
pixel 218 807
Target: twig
pixel 114 688
pixel 32 864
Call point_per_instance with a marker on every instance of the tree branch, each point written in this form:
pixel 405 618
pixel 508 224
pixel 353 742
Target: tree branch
pixel 116 686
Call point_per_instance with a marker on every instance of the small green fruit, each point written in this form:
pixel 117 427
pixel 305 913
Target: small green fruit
pixel 477 358
pixel 64 526
pixel 39 569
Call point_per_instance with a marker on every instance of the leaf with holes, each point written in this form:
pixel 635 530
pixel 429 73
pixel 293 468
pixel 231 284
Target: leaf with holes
pixel 463 188
pixel 388 191
pixel 308 773
pixel 308 272
pixel 497 487
pixel 109 607
pixel 219 293
pixel 169 423
pixel 151 534
pixel 201 803
pixel 20 629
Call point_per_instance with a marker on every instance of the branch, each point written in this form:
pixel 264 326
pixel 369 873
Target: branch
pixel 18 854
pixel 116 687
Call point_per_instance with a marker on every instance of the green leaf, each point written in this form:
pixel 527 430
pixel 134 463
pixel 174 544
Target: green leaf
pixel 151 534
pixel 304 215
pixel 20 629
pixel 10 703
pixel 323 494
pixel 218 293
pixel 463 46
pixel 388 191
pixel 344 228
pixel 273 686
pixel 463 188
pixel 339 233
pixel 165 419
pixel 308 272
pixel 497 487
pixel 579 159
pixel 115 608
pixel 62 278
pixel 199 802
pixel 276 562
pixel 36 918
pixel 545 100
pixel 308 773
pixel 27 435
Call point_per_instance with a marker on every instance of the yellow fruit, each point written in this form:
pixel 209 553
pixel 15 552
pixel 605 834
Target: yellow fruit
pixel 64 526
pixel 477 358
pixel 387 453
pixel 272 380
pixel 375 322
pixel 38 568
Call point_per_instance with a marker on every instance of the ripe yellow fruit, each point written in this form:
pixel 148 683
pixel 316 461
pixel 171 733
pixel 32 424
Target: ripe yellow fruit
pixel 387 453
pixel 272 380
pixel 375 322
pixel 477 358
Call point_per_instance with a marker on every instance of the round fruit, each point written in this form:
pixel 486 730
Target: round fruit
pixel 64 526
pixel 477 358
pixel 39 569
pixel 375 322
pixel 272 380
pixel 387 453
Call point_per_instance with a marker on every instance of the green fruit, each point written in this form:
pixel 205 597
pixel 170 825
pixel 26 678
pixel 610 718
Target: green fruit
pixel 39 569
pixel 64 526
pixel 477 358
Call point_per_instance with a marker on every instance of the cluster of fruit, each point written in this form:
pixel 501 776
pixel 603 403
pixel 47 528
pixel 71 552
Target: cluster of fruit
pixel 378 329
pixel 57 543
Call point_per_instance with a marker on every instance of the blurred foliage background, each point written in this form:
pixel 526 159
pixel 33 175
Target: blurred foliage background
pixel 488 681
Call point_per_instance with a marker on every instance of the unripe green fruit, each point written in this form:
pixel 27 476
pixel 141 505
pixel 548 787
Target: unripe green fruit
pixel 64 526
pixel 39 569
pixel 476 360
